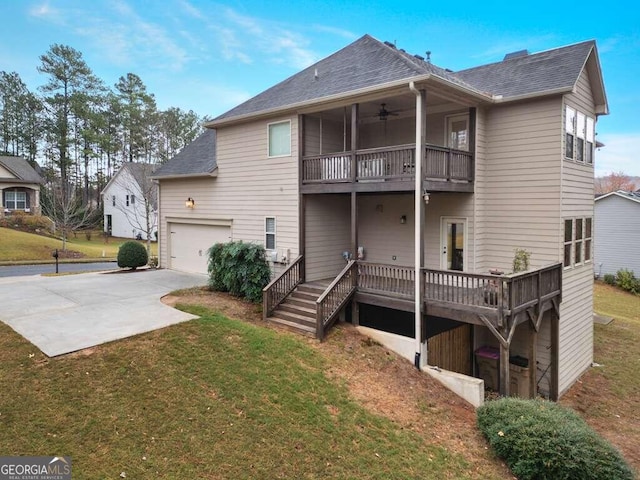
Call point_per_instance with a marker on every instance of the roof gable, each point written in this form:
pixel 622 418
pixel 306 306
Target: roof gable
pixel 632 196
pixel 139 172
pixel 364 63
pixel 20 169
pixel 196 159
pixel 548 71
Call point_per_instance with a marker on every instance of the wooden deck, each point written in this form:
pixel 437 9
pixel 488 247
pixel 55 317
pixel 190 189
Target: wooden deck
pixel 388 169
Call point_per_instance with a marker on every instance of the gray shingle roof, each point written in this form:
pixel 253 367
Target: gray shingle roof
pixel 197 158
pixel 530 74
pixel 364 63
pixel 21 169
pixel 367 62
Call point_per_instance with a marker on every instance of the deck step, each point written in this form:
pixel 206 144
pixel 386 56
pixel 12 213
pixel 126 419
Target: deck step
pixel 293 326
pixel 307 310
pixel 295 317
pixel 296 299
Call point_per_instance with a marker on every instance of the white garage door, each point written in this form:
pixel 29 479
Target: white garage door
pixel 189 243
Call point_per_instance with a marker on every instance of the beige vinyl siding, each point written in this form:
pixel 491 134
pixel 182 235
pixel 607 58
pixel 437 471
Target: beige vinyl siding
pixel 327 234
pixel 576 310
pixel 249 187
pixel 4 173
pixel 380 231
pixel 518 183
pixel 450 205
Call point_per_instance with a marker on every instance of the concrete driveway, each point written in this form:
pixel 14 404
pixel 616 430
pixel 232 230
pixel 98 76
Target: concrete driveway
pixel 64 314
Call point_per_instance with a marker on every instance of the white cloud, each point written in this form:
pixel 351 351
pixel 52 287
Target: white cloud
pixel 620 154
pixel 45 11
pixel 335 31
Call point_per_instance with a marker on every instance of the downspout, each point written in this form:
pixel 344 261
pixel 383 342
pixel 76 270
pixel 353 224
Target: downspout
pixel 417 255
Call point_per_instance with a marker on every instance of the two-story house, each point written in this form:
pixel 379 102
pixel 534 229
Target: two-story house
pixel 395 192
pixel 130 202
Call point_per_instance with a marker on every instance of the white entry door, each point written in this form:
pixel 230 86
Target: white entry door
pixel 453 244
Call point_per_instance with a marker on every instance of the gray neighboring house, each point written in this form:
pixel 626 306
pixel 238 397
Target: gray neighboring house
pixel 386 189
pixel 617 232
pixel 19 186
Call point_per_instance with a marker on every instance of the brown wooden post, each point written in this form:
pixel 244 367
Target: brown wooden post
pixel 554 387
pixel 533 363
pixel 355 313
pixel 472 139
pixel 354 225
pixel 355 112
pixel 504 366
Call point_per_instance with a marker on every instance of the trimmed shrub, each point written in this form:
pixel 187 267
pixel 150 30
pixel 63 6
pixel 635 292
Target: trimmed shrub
pixel 132 255
pixel 609 279
pixel 238 268
pixel 626 280
pixel 543 440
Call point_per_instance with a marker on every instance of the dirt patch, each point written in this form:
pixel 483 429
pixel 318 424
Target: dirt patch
pixel 382 382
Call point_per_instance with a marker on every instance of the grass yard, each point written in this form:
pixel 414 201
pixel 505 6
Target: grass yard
pixel 213 398
pixel 608 396
pixel 17 246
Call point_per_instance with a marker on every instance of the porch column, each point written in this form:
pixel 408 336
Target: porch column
pixel 354 224
pixel 301 198
pixel 533 369
pixel 355 112
pixel 420 354
pixel 554 388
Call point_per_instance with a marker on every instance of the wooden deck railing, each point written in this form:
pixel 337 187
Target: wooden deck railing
pixel 388 163
pixel 390 279
pixel 335 297
pixel 509 294
pixel 281 286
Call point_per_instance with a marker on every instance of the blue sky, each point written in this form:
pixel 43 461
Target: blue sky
pixel 209 56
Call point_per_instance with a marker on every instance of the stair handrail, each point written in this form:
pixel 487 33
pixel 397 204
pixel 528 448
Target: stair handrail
pixel 335 297
pixel 281 286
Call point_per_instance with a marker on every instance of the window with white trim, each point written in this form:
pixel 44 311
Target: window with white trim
pixel 579 136
pixel 133 199
pixel 113 200
pixel 280 139
pixel 270 233
pixel 578 241
pixel 15 200
pixel 127 200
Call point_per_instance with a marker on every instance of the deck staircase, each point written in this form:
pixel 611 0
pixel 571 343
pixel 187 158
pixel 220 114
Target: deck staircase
pixel 298 312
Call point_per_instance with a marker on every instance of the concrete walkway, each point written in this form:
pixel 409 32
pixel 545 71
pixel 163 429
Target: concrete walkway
pixel 63 314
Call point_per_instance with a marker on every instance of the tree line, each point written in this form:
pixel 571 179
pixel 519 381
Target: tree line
pixel 80 131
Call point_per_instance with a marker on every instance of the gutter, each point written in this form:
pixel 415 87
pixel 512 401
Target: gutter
pixel 417 254
pixel 178 176
pixel 428 77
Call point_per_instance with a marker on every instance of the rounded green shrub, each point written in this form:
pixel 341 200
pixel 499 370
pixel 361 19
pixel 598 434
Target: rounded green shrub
pixel 609 279
pixel 132 255
pixel 238 268
pixel 543 440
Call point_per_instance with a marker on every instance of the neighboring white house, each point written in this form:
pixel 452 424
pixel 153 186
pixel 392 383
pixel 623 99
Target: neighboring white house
pixel 617 232
pixel 130 203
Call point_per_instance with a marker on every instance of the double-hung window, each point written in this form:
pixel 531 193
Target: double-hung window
pixel 15 200
pixel 570 129
pixel 578 239
pixel 579 136
pixel 270 233
pixel 280 139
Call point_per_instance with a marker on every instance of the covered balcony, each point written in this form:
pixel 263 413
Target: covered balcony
pixel 371 146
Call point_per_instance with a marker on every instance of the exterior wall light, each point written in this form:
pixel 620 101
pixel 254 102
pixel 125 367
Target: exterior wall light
pixel 403 219
pixel 190 203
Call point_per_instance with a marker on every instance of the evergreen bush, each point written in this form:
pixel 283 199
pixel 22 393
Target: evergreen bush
pixel 238 268
pixel 626 280
pixel 132 255
pixel 609 279
pixel 542 440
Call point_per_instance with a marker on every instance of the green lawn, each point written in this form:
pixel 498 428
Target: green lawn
pixel 212 398
pixel 17 246
pixel 608 395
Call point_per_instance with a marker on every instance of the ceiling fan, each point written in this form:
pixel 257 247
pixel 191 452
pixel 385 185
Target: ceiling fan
pixel 383 113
